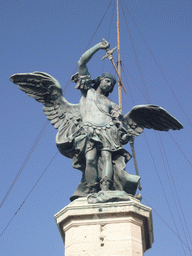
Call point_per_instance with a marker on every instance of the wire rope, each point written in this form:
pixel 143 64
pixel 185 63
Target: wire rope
pixel 44 126
pixel 167 176
pixel 177 196
pixel 135 82
pixel 28 194
pixel 37 141
pixel 136 58
pixel 167 225
pixel 25 162
pixel 156 168
pixel 108 37
pixel 171 187
pixel 147 99
pixel 99 24
pixel 180 150
pixel 166 81
pixel 128 85
pixel 161 71
pixel 69 81
pixel 57 152
pixel 162 184
pixel 163 190
pixel 110 27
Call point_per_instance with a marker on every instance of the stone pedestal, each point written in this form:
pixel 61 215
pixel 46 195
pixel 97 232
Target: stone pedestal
pixel 115 228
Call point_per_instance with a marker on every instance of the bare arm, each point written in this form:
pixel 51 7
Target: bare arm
pixel 85 58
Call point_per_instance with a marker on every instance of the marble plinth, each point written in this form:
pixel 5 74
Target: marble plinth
pixel 113 228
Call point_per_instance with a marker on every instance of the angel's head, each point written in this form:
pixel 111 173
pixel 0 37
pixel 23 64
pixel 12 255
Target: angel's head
pixel 106 80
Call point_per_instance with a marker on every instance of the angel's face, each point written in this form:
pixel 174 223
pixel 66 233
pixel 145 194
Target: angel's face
pixel 106 84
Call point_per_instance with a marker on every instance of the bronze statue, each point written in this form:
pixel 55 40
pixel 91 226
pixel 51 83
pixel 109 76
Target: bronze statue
pixel 94 131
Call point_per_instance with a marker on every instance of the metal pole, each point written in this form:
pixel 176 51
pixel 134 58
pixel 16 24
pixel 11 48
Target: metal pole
pixel 119 59
pixel 120 92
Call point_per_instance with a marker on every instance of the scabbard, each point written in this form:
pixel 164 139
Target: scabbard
pixel 135 161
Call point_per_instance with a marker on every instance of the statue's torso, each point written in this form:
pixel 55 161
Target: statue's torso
pixel 95 109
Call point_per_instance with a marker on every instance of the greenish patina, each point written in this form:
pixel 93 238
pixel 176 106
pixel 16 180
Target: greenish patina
pixel 93 132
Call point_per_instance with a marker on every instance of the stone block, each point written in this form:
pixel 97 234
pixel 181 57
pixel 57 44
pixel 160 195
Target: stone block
pixel 113 228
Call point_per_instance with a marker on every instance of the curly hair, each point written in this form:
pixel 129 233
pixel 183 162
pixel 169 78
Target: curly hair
pixel 97 80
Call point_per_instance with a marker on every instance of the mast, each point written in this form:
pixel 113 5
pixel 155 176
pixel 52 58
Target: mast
pixel 120 91
pixel 119 59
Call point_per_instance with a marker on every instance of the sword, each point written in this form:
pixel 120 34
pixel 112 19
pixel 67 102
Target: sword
pixel 109 54
pixel 135 161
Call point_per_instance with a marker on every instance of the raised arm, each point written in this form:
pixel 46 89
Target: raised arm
pixel 85 58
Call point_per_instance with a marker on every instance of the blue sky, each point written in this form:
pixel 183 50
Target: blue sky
pixel 50 36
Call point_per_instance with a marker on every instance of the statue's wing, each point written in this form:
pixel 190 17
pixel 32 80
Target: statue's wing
pixel 150 117
pixel 47 90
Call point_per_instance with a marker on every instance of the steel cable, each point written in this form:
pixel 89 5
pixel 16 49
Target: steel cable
pixel 158 66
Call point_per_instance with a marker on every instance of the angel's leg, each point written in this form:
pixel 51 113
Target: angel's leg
pixel 107 173
pixel 91 174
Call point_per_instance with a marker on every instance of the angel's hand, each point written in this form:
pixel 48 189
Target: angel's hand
pixel 104 44
pixel 126 138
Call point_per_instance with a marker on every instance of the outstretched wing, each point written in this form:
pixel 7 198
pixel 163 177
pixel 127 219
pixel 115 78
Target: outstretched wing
pixel 150 117
pixel 47 90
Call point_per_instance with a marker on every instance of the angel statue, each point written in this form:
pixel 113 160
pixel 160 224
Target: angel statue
pixel 92 133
